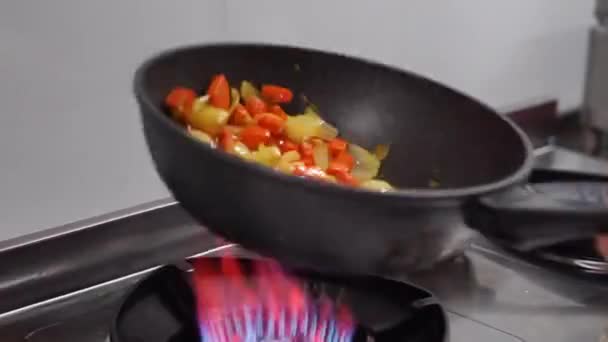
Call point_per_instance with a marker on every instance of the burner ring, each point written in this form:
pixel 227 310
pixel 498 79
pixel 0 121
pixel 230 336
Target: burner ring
pixel 161 308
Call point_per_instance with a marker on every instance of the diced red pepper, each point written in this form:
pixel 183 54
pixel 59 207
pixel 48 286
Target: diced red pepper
pixel 306 149
pixel 255 105
pixel 219 92
pixel 180 100
pixel 240 116
pixel 341 166
pixel 308 161
pixel 336 168
pixel 272 122
pixel 345 159
pixel 227 140
pixel 276 94
pixel 276 109
pixel 254 135
pixel 286 145
pixel 336 146
pixel 178 95
pixel 346 178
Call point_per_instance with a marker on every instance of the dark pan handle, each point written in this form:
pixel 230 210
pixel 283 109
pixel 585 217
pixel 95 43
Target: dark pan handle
pixel 556 206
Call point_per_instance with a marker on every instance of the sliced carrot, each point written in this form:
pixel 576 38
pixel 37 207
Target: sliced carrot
pixel 255 105
pixel 276 109
pixel 276 94
pixel 219 92
pixel 240 116
pixel 272 122
pixel 337 145
pixel 254 135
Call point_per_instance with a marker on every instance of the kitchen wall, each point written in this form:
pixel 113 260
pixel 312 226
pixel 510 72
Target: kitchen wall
pixel 503 52
pixel 70 142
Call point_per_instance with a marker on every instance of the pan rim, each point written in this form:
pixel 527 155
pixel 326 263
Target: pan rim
pixel 144 99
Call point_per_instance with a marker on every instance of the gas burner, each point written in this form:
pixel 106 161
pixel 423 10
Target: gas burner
pixel 254 300
pixel 264 303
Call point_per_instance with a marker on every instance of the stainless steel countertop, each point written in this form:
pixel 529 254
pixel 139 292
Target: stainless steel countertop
pixel 52 293
pixel 515 297
pixel 559 158
pixel 85 316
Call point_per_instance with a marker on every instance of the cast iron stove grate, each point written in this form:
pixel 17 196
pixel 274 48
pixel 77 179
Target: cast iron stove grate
pixel 163 308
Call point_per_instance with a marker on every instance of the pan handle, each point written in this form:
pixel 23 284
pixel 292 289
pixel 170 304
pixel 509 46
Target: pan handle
pixel 556 206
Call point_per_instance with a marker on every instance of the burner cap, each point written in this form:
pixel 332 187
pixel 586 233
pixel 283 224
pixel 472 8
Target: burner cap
pixel 162 308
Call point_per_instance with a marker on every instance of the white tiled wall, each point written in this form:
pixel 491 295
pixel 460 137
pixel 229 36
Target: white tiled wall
pixel 70 144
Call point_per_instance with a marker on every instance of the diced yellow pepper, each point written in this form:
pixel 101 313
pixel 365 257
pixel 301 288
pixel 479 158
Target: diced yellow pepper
pixel 207 118
pixel 267 155
pixel 321 154
pixel 377 185
pixel 241 150
pixel 201 136
pixel 366 164
pixel 235 99
pixel 301 127
pixel 248 90
pixel 381 151
pixel 286 163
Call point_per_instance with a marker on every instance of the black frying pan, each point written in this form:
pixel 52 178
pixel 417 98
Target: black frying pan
pixel 480 158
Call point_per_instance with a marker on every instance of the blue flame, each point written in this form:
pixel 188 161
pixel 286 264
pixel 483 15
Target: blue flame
pixel 246 324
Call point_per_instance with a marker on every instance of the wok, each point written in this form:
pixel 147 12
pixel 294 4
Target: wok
pixel 481 159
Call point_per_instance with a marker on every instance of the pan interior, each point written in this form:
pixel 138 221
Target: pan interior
pixel 435 133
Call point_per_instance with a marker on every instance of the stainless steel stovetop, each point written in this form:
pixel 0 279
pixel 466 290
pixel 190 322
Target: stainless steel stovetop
pixel 66 284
